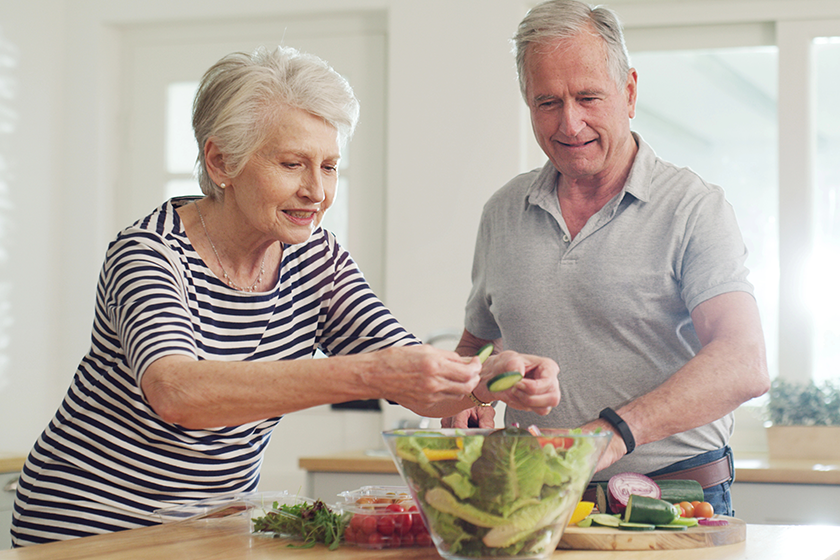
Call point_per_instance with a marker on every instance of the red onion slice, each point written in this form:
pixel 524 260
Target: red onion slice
pixel 621 486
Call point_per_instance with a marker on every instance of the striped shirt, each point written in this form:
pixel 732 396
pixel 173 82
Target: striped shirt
pixel 107 460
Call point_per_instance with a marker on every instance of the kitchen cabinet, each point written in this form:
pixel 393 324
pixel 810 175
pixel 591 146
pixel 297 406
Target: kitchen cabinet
pixel 9 472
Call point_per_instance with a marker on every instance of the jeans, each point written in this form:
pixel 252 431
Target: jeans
pixel 719 496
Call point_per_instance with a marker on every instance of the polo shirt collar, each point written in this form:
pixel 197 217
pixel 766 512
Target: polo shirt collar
pixel 543 191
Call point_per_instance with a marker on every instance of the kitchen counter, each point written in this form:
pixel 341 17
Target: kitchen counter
pixel 748 467
pixel 11 463
pixel 229 538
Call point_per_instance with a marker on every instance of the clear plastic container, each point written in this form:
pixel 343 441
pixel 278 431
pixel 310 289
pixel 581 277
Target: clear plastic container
pixel 208 508
pixel 377 517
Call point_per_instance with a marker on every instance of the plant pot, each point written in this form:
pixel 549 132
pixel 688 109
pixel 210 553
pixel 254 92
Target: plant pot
pixel 804 442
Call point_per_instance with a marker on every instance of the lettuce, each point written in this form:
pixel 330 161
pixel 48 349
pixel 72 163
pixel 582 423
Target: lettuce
pixel 504 495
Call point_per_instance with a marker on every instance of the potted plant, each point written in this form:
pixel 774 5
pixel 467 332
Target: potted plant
pixel 804 420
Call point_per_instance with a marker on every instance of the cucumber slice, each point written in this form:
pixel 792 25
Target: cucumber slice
pixel 585 522
pixel 503 381
pixel 484 352
pixel 685 521
pixel 636 526
pixel 605 519
pixel 672 527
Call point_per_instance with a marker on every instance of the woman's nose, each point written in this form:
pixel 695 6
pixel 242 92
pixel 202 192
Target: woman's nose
pixel 312 186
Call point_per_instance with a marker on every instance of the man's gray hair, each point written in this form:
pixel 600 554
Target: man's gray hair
pixel 562 19
pixel 240 97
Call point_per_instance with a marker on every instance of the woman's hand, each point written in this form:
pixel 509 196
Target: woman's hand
pixel 423 377
pixel 538 391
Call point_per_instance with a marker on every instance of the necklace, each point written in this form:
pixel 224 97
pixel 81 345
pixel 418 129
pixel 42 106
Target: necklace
pixel 229 280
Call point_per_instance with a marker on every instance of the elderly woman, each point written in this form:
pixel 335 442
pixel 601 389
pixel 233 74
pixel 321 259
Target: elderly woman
pixel 208 308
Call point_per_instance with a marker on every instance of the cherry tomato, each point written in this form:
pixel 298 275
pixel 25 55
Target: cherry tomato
pixel 394 541
pixel 356 522
pixel 559 443
pixel 408 539
pixel 369 524
pixel 402 523
pixel 704 509
pixel 423 539
pixel 386 524
pixel 375 540
pixel 350 534
pixel 688 509
pixel 694 503
pixel 417 525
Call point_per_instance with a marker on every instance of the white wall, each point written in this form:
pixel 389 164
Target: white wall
pixel 454 136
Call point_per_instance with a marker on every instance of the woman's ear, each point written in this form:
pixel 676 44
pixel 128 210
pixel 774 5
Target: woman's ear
pixel 214 161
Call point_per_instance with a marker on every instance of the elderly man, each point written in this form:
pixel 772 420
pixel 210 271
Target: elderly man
pixel 625 269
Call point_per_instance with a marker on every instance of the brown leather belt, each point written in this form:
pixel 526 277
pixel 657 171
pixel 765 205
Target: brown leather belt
pixel 708 475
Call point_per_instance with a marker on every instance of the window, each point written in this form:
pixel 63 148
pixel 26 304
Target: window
pixel 824 267
pixel 714 110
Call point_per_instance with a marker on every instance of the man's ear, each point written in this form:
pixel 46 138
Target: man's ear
pixel 214 161
pixel 631 88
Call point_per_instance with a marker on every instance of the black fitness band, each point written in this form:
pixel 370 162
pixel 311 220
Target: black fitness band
pixel 610 416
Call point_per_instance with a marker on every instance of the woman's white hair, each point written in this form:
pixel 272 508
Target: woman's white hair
pixel 239 97
pixel 563 19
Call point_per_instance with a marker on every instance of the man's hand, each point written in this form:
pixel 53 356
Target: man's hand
pixel 478 417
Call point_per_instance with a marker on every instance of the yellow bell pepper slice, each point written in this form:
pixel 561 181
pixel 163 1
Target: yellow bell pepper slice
pixel 441 454
pixel 582 510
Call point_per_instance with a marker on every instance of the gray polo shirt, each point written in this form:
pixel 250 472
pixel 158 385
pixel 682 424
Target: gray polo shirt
pixel 612 306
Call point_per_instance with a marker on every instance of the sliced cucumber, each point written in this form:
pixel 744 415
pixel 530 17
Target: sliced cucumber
pixel 672 527
pixel 636 526
pixel 585 522
pixel 605 519
pixel 503 381
pixel 685 521
pixel 484 352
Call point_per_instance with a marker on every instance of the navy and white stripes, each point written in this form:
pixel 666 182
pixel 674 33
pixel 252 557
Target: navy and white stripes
pixel 107 461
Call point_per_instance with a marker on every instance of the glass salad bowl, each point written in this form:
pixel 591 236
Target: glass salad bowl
pixel 505 493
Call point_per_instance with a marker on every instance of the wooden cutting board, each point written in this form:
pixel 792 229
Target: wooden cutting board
pixel 608 538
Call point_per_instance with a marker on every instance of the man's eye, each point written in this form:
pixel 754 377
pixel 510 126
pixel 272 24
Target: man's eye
pixel 291 165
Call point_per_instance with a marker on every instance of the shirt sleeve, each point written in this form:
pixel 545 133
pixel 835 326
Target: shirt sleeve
pixel 479 320
pixel 143 293
pixel 356 320
pixel 714 253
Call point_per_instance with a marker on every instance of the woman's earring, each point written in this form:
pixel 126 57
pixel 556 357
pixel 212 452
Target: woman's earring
pixel 222 185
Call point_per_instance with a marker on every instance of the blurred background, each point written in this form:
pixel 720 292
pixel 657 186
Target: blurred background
pixel 94 133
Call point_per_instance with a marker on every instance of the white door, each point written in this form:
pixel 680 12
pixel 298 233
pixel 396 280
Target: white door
pixel 162 64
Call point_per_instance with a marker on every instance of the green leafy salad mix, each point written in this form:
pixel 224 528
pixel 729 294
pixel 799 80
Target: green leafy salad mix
pixel 507 493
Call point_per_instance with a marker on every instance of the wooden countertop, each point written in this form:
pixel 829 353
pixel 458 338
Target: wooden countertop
pixel 748 468
pixel 229 538
pixel 11 463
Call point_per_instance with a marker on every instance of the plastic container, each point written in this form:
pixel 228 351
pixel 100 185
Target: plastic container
pixel 269 518
pixel 378 517
pixel 209 508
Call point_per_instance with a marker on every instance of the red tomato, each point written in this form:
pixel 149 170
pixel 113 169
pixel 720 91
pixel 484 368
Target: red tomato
pixel 559 443
pixel 369 524
pixel 356 522
pixel 394 541
pixel 349 533
pixel 423 539
pixel 375 540
pixel 417 525
pixel 704 509
pixel 408 539
pixel 687 508
pixel 386 524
